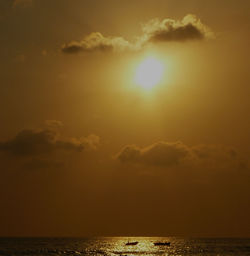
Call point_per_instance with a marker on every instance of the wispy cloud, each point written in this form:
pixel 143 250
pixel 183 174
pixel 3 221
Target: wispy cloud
pixel 97 42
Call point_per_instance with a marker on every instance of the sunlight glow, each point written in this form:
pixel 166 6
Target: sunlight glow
pixel 149 73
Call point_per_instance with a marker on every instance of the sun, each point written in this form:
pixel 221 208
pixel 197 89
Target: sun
pixel 149 73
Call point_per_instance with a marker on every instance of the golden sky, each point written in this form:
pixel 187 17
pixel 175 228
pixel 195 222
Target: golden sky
pixel 124 117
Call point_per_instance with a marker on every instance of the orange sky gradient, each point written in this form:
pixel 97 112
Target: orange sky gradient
pixel 88 148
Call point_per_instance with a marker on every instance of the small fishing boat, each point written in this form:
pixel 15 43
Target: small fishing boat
pixel 131 243
pixel 162 243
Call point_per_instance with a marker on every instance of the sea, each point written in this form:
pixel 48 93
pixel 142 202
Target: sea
pixel 116 246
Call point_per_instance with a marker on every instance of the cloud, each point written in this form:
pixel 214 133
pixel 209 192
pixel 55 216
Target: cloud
pixel 212 151
pixel 154 31
pixel 97 42
pixel 39 142
pixel 218 156
pixel 170 154
pixel 169 30
pixel 160 154
pixel 22 3
pixel 93 141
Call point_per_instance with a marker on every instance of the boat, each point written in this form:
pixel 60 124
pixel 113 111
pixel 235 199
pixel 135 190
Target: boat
pixel 131 243
pixel 162 243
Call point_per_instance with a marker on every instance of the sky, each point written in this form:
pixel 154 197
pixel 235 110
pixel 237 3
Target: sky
pixel 88 149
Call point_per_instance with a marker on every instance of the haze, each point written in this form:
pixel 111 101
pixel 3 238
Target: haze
pixel 85 150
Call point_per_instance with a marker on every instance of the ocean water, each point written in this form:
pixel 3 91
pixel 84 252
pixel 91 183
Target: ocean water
pixel 116 246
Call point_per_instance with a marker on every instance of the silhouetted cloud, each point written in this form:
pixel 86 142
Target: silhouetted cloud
pixel 161 153
pixel 214 151
pixel 167 30
pixel 35 142
pixel 166 154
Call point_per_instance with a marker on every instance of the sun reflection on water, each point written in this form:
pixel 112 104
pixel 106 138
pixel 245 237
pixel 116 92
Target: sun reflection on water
pixel 145 246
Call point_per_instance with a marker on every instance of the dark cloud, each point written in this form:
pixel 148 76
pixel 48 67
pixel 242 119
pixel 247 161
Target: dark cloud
pixel 212 151
pixel 161 153
pixel 30 142
pixel 37 142
pixel 167 30
pixel 72 48
pixel 183 33
pixel 167 154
